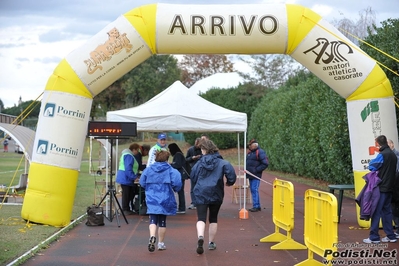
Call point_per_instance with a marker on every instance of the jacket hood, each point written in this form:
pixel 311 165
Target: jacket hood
pixel 209 161
pixel 159 167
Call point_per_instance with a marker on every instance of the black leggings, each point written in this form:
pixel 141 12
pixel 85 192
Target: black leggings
pixel 202 210
pixel 159 219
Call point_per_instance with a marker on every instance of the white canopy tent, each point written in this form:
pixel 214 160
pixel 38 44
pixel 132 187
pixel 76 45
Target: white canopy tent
pixel 178 109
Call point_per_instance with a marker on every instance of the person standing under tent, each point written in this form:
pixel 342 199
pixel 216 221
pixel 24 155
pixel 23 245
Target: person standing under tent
pixel 127 173
pixel 160 180
pixel 179 163
pixel 385 163
pixel 192 156
pixel 256 163
pixel 161 144
pixel 138 154
pixel 142 152
pixel 207 176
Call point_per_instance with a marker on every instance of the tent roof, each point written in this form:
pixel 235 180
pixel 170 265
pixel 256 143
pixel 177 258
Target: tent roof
pixel 23 136
pixel 179 109
pixel 218 80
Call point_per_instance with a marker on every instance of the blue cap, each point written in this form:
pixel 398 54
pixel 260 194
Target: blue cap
pixel 162 136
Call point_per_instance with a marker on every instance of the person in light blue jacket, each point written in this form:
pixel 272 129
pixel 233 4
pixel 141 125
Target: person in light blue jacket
pixel 160 182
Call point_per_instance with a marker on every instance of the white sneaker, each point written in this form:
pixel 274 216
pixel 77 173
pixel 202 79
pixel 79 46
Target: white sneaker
pixel 396 235
pixel 369 241
pixel 386 239
pixel 161 246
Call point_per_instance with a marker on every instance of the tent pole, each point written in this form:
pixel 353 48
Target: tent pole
pixel 243 212
pixel 90 145
pixel 239 167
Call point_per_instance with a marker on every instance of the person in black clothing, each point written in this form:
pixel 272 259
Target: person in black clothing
pixel 395 194
pixel 193 155
pixel 179 163
pixel 385 164
pixel 139 152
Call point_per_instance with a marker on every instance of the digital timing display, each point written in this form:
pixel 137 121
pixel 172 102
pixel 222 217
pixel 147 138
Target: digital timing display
pixel 112 129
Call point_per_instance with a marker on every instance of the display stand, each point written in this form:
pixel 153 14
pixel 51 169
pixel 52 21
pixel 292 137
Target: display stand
pixel 112 131
pixel 111 194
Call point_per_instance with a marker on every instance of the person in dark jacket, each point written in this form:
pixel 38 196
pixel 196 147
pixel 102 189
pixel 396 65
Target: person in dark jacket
pixel 207 175
pixel 160 181
pixel 385 164
pixel 395 195
pixel 127 173
pixel 256 163
pixel 142 152
pixel 139 152
pixel 179 163
pixel 193 155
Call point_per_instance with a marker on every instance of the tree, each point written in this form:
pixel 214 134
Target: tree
pixel 303 127
pixel 360 28
pixel 195 67
pixel 1 105
pixel 30 112
pixel 149 78
pixel 243 99
pixel 270 71
pixel 381 45
pixel 138 85
pixel 112 98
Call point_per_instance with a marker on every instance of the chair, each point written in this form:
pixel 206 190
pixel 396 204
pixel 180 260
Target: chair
pixel 238 190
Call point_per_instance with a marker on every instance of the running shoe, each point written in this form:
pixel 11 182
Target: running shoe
pixel 200 245
pixel 212 246
pixel 369 241
pixel 151 244
pixel 161 246
pixel 386 239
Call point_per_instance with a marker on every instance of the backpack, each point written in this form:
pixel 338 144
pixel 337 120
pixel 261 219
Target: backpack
pixel 95 216
pixel 257 157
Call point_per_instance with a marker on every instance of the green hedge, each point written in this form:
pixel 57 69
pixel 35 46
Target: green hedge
pixel 304 129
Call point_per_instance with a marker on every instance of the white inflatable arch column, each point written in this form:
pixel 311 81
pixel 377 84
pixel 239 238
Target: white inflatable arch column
pixel 195 29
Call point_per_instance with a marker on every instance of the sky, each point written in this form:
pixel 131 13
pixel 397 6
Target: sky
pixel 36 35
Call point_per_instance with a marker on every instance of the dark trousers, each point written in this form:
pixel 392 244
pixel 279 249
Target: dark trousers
pixel 127 197
pixel 383 211
pixel 182 198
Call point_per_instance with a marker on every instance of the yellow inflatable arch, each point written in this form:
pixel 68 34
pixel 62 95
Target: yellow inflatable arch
pixel 195 29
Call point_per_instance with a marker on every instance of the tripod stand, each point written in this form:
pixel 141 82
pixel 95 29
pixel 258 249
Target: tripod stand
pixel 111 193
